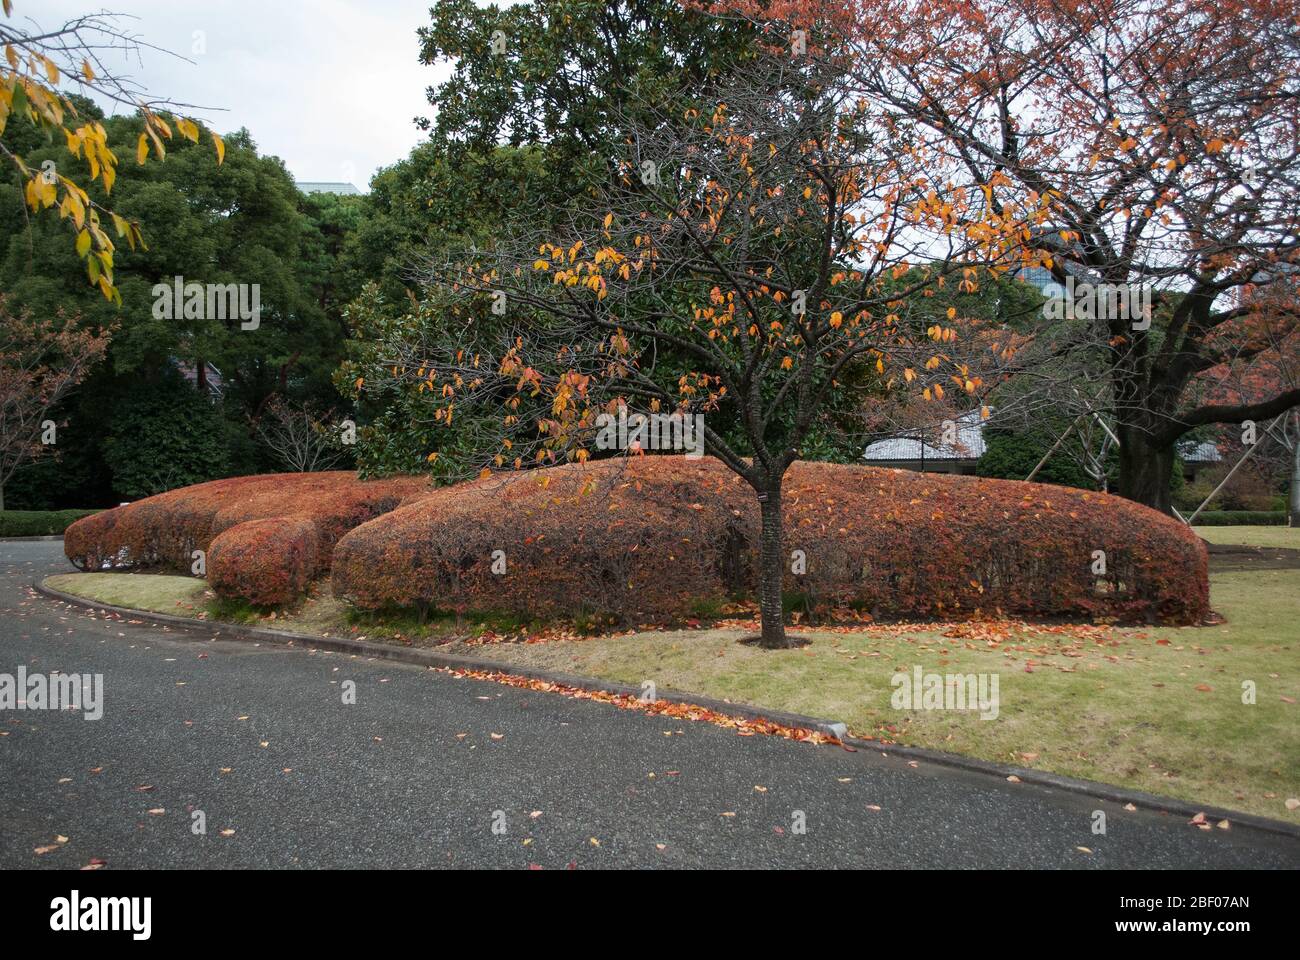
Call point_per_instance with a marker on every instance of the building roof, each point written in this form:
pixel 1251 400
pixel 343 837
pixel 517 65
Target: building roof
pixel 969 445
pixel 1203 452
pixel 325 186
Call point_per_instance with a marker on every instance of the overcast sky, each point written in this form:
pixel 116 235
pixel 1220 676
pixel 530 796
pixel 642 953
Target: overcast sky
pixel 329 86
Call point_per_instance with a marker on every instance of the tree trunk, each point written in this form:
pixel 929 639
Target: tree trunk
pixel 2 496
pixel 771 569
pixel 1145 469
pixel 1293 515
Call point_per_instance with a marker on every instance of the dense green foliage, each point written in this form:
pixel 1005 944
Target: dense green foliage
pixel 1011 456
pixel 244 222
pixel 163 438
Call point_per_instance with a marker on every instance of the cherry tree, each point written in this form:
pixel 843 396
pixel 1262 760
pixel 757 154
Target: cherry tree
pixel 756 251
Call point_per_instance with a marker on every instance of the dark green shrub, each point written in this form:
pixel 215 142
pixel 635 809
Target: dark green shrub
pixel 1246 518
pixel 39 523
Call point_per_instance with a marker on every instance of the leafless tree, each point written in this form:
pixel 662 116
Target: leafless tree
pixel 301 437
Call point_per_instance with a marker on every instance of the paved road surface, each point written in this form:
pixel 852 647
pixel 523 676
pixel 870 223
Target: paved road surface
pixel 419 770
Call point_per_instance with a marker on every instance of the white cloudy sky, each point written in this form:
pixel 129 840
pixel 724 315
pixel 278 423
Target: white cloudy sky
pixel 329 86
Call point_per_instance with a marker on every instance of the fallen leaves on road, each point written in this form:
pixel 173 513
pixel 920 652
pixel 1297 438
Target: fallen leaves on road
pixel 681 711
pixel 59 841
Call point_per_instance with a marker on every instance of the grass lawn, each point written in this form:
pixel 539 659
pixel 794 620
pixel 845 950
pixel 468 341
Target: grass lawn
pixel 1159 709
pixel 1252 536
pixel 182 596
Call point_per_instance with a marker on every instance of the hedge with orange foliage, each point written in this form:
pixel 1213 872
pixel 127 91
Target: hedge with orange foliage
pixel 165 530
pixel 266 562
pixel 648 539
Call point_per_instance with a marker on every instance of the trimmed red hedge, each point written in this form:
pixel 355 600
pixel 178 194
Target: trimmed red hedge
pixel 266 562
pixel 165 530
pixel 645 539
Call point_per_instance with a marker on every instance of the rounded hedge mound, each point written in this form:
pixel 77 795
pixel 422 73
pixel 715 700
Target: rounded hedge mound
pixel 648 539
pixel 266 562
pixel 164 531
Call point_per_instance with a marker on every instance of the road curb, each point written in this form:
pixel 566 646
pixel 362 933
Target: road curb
pixel 432 658
pixel 56 536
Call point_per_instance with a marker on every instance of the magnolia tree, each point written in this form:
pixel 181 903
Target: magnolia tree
pixel 41 361
pixel 1157 140
pixel 756 252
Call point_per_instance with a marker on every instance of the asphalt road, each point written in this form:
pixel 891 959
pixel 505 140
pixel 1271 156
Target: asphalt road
pixel 422 768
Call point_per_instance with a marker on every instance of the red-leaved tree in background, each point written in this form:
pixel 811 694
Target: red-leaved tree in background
pixel 41 361
pixel 1159 139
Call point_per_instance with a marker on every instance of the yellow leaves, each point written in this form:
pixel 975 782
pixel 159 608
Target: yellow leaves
pixel 837 319
pixel 361 382
pixel 786 363
pixel 72 206
pixel 220 146
pixel 83 243
pixel 141 149
pixel 187 129
pixel 40 193
pixel 87 72
pixel 609 218
pixel 541 265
